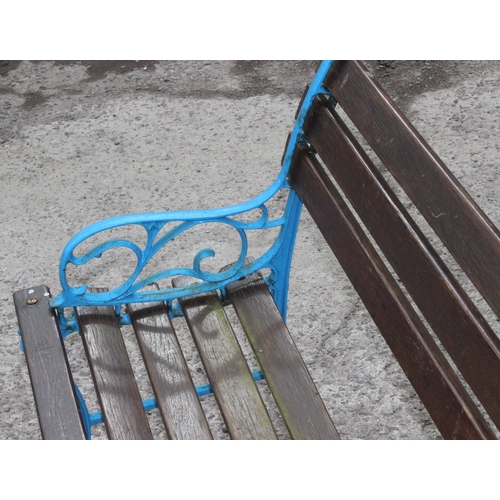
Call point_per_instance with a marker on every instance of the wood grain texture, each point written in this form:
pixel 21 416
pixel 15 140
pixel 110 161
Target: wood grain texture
pixel 114 379
pixel 439 388
pixel 463 331
pixel 174 390
pixel 237 395
pixel 463 227
pixel 51 380
pixel 294 391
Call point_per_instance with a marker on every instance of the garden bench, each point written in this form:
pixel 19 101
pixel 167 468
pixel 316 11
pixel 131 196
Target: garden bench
pixel 442 328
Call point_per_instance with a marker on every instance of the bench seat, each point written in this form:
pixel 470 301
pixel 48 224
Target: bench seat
pixel 241 405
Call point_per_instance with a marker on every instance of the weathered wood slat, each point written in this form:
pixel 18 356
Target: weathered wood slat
pixel 114 379
pixel 174 390
pixel 294 391
pixel 462 226
pixel 463 331
pixel 448 403
pixel 53 390
pixel 237 395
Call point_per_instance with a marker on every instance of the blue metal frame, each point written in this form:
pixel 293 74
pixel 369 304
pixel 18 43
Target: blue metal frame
pixel 91 419
pixel 277 258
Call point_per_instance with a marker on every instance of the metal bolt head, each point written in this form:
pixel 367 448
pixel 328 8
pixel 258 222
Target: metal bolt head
pixel 32 301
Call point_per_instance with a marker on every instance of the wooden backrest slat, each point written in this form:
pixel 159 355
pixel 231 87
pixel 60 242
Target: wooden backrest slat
pixel 174 390
pixel 462 226
pixel 238 397
pixel 294 391
pixel 114 379
pixel 48 367
pixel 439 388
pixel 463 331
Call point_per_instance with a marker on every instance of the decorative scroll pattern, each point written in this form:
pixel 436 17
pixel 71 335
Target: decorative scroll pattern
pixel 130 290
pixel 277 257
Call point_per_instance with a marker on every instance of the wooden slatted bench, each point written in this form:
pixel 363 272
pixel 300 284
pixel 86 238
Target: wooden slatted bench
pixel 443 343
pixel 232 383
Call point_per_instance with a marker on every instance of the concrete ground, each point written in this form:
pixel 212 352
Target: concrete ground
pixel 85 140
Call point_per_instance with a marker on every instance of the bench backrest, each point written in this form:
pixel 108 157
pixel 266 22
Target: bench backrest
pixel 464 229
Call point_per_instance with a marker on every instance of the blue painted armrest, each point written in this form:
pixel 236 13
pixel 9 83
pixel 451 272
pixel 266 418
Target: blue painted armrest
pixel 277 258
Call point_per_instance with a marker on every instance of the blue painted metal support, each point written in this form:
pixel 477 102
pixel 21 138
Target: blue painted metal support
pixel 277 258
pixel 91 419
pixel 84 412
pixel 282 261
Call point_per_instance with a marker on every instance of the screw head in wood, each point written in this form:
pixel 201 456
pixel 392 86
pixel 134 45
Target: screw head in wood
pixel 32 301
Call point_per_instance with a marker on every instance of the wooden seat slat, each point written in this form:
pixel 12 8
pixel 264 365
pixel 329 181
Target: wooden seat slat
pixel 463 227
pixel 236 393
pixel 463 331
pixel 447 401
pixel 114 379
pixel 294 391
pixel 51 380
pixel 174 390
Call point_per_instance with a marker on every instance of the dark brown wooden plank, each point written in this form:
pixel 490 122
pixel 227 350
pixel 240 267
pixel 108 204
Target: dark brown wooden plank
pixel 294 391
pixel 114 379
pixel 174 390
pixel 463 331
pixel 435 382
pixel 462 226
pixel 237 395
pixel 53 390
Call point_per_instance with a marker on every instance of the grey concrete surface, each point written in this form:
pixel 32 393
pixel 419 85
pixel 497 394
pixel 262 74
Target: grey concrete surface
pixel 84 140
